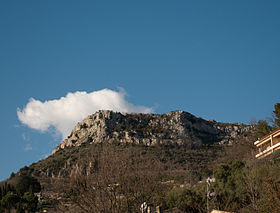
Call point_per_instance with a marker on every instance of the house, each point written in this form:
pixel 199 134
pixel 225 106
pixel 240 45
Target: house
pixel 268 144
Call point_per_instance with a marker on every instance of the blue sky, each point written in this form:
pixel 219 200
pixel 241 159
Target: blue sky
pixel 215 59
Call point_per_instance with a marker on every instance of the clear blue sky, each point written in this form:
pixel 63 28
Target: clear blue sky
pixel 215 59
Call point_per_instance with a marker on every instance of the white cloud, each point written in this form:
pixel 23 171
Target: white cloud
pixel 64 113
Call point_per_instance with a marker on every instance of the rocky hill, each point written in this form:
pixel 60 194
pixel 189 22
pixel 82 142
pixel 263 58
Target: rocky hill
pixel 174 128
pixel 113 162
pixel 127 151
pixel 178 139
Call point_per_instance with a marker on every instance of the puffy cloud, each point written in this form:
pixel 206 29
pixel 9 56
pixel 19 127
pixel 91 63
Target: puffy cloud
pixel 64 113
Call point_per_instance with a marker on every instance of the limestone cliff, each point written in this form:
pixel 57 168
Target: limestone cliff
pixel 174 128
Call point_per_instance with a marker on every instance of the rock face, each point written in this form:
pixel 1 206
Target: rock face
pixel 174 128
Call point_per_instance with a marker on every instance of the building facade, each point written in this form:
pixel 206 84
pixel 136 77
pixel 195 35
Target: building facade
pixel 268 144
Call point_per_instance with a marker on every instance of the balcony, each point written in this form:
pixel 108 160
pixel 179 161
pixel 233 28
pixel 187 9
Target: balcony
pixel 268 144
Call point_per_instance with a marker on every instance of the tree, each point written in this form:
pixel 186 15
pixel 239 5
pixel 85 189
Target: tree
pixel 251 181
pixel 27 184
pixel 119 180
pixel 276 115
pixel 186 199
pixel 262 128
pixel 10 200
pixel 30 202
pixel 12 175
pixel 230 194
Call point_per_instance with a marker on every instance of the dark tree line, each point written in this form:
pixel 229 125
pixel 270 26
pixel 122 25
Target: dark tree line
pixel 20 197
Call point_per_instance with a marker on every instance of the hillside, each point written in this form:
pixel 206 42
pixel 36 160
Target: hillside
pixel 176 146
pixel 178 137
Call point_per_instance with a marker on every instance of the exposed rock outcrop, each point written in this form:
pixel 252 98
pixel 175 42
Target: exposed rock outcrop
pixel 174 128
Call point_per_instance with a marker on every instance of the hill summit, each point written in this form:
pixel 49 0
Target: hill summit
pixel 175 128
